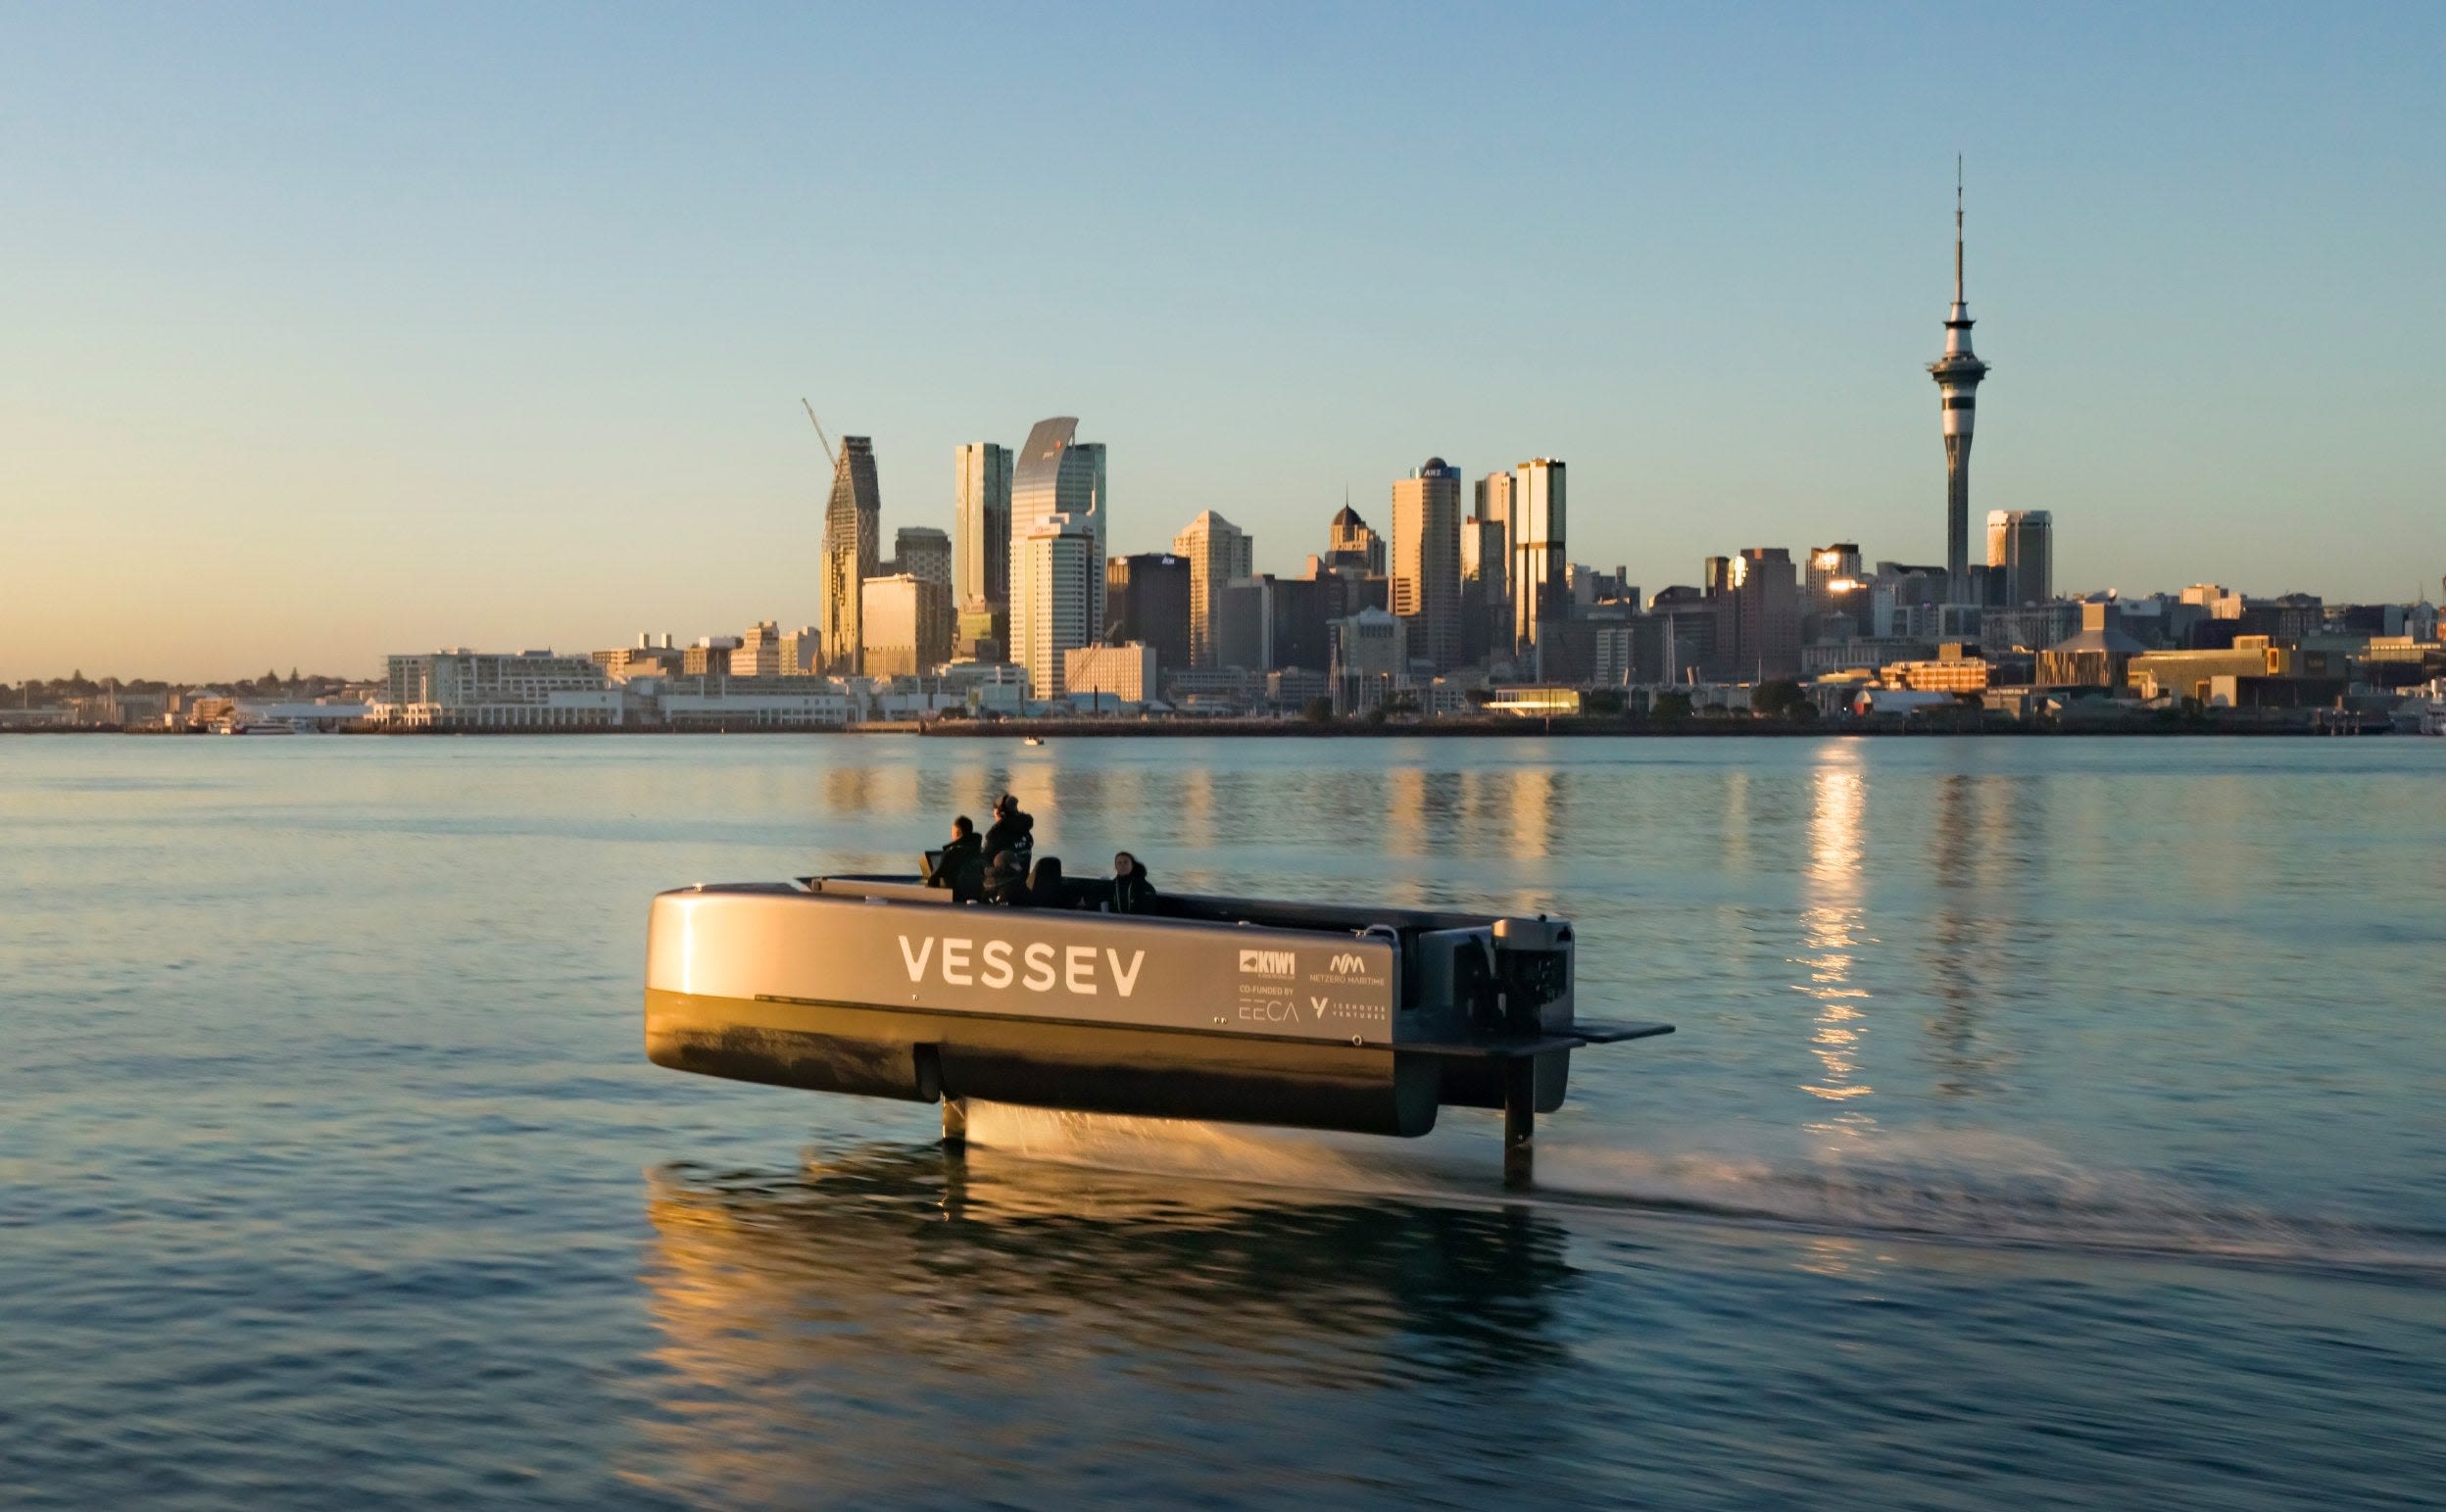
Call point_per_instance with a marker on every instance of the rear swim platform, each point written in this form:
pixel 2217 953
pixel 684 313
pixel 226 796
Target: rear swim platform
pixel 1306 1015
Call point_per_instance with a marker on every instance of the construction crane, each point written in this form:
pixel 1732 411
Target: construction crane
pixel 819 433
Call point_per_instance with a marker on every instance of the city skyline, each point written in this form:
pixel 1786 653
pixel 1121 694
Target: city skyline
pixel 284 352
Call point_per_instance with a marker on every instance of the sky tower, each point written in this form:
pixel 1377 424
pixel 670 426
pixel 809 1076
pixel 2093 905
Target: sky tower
pixel 1957 375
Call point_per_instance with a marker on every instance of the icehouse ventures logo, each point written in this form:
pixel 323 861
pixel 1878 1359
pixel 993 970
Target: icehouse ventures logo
pixel 1269 964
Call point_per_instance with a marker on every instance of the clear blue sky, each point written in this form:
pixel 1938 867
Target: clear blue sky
pixel 332 330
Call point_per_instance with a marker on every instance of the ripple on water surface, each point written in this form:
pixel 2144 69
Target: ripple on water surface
pixel 2044 1127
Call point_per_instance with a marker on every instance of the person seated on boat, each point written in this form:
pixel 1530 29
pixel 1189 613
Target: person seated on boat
pixel 1006 884
pixel 1012 830
pixel 1046 889
pixel 964 850
pixel 1132 893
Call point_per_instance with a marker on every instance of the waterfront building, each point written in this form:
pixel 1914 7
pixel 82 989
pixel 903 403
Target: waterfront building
pixel 2021 546
pixel 1056 585
pixel 1757 600
pixel 2190 673
pixel 1214 690
pixel 1111 674
pixel 462 689
pixel 853 548
pixel 1958 374
pixel 981 524
pixel 1426 571
pixel 1956 668
pixel 2096 655
pixel 752 703
pixel 907 633
pixel 1147 597
pixel 1371 658
pixel 1292 689
pixel 1218 553
pixel 1057 473
pixel 1539 567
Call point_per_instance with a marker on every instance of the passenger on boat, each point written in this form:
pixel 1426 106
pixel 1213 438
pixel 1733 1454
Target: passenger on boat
pixel 1006 884
pixel 1046 887
pixel 1132 893
pixel 963 852
pixel 1011 831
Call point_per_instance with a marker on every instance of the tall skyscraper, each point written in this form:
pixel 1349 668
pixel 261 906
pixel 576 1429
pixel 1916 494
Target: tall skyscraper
pixel 1426 587
pixel 1219 553
pixel 2021 545
pixel 1957 375
pixel 1487 565
pixel 1057 473
pixel 1757 633
pixel 1834 593
pixel 1056 583
pixel 1540 571
pixel 852 545
pixel 1147 600
pixel 981 525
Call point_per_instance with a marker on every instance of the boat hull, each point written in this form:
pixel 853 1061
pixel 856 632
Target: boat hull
pixel 921 1057
pixel 1230 1010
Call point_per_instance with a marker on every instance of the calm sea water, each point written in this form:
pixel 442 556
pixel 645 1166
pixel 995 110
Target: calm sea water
pixel 2052 1122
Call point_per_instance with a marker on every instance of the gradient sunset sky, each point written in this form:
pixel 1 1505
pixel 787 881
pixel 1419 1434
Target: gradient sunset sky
pixel 334 330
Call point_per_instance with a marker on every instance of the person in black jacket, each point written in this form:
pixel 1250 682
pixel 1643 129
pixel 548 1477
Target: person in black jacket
pixel 964 850
pixel 1132 893
pixel 1011 831
pixel 1046 889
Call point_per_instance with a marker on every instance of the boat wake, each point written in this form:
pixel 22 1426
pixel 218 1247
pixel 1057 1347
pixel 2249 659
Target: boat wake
pixel 1964 1189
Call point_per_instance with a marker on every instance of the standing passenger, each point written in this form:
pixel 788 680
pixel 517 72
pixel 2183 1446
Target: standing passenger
pixel 1011 831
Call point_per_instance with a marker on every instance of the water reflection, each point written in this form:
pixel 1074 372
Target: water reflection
pixel 895 1325
pixel 1537 810
pixel 1969 834
pixel 1831 922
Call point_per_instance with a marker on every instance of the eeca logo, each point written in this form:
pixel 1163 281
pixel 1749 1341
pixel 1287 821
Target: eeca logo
pixel 1347 966
pixel 1268 963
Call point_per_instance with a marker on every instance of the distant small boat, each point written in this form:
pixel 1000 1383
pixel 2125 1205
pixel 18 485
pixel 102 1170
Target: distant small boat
pixel 1033 740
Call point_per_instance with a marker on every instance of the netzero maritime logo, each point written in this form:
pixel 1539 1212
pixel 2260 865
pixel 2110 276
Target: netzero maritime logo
pixel 1348 965
pixel 1269 964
